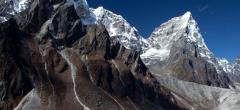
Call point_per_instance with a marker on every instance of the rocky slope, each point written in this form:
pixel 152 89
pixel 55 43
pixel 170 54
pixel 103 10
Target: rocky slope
pixel 57 62
pixel 234 70
pixel 14 66
pixel 62 55
pixel 201 97
pixel 179 37
pixel 178 50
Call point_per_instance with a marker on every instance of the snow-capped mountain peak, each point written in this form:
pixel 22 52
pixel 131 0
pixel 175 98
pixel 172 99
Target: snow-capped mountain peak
pixel 182 29
pixel 118 28
pixel 184 19
pixel 188 14
pixel 176 28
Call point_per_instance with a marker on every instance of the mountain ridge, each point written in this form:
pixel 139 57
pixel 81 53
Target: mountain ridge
pixel 152 48
pixel 146 44
pixel 75 57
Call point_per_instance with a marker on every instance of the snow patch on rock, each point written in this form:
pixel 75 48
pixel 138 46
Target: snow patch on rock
pixel 157 54
pixel 226 66
pixel 83 11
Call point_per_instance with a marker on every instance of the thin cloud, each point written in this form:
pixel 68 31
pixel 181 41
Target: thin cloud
pixel 204 8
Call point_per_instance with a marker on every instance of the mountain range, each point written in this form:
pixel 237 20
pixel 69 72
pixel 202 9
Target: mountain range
pixel 62 54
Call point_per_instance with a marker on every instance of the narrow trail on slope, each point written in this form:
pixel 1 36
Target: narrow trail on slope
pixel 43 53
pixel 109 95
pixel 73 74
pixel 135 107
pixel 24 100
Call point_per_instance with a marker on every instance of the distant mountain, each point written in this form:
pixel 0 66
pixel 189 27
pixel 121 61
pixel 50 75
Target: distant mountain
pixel 61 55
pixel 62 61
pixel 179 36
pixel 234 70
pixel 178 49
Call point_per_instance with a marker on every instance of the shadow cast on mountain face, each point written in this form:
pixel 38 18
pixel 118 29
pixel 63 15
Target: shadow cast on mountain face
pixel 90 71
pixel 66 27
pixel 14 65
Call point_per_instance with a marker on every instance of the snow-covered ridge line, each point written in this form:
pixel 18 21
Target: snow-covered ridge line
pixel 119 28
pixel 156 47
pixel 174 29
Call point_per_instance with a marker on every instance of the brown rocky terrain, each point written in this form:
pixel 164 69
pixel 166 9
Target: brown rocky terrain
pixel 62 55
pixel 50 60
pixel 186 64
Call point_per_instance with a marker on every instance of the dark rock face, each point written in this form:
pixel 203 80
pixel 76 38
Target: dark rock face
pixel 186 64
pixel 61 64
pixel 14 65
pixel 30 19
pixel 189 66
pixel 66 27
pixel 238 60
pixel 236 71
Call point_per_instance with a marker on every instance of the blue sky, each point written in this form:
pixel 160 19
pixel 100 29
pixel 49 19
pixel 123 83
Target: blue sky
pixel 219 20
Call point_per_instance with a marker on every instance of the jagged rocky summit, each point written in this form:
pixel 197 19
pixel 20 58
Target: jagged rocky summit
pixel 61 55
pixel 57 62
